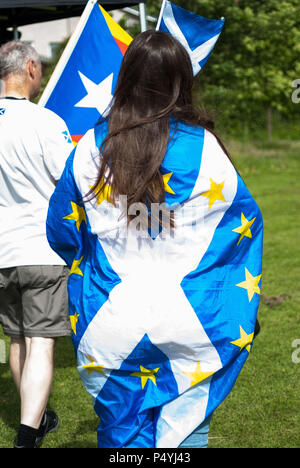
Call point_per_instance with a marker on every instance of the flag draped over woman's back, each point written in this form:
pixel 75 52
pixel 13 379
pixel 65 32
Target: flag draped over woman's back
pixel 163 322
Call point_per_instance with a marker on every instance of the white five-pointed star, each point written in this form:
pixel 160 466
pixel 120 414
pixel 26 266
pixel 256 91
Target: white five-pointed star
pixel 98 96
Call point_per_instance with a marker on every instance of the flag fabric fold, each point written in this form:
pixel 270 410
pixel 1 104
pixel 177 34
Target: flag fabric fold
pixel 197 34
pixel 162 325
pixel 82 85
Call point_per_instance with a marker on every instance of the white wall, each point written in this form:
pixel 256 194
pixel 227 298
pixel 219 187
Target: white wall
pixel 41 35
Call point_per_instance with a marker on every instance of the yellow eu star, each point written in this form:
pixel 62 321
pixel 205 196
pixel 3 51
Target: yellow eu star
pixel 250 284
pixel 93 367
pixel 78 214
pixel 166 178
pixel 214 193
pixel 244 229
pixel 102 193
pixel 145 375
pixel 75 267
pixel 74 320
pixel 197 375
pixel 244 341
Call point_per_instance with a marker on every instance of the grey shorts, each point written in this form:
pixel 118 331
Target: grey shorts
pixel 34 301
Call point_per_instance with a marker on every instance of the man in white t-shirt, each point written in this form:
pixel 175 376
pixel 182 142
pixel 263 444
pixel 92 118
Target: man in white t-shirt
pixel 34 146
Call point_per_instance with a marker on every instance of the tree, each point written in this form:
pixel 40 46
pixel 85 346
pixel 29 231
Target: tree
pixel 250 73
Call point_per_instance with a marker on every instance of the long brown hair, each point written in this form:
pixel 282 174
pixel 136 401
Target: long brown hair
pixel 155 83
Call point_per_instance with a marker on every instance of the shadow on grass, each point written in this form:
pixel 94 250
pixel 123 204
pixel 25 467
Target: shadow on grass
pixel 79 445
pixel 86 429
pixel 9 399
pixel 64 353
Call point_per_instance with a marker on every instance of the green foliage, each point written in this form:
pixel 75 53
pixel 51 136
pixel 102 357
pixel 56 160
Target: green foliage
pixel 254 62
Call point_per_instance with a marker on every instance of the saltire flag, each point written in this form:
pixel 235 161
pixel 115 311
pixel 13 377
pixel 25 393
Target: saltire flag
pixel 82 85
pixel 162 325
pixel 197 34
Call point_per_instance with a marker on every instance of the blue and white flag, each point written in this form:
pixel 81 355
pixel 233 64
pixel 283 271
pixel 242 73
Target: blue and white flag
pixel 82 85
pixel 197 34
pixel 161 326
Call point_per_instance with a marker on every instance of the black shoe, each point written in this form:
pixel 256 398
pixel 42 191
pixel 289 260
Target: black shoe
pixel 49 424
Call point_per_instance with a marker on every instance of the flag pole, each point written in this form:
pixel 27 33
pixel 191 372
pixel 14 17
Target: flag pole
pixel 160 14
pixel 66 53
pixel 143 20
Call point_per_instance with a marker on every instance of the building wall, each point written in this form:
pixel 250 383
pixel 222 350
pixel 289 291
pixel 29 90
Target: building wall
pixel 44 36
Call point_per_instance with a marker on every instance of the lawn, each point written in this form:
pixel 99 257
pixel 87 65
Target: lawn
pixel 263 410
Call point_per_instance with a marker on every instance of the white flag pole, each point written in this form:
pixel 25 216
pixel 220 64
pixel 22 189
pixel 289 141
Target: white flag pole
pixel 160 14
pixel 143 19
pixel 66 53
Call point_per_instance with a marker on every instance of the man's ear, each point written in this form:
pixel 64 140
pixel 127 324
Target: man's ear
pixel 31 68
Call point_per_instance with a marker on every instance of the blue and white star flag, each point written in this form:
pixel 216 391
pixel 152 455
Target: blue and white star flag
pixel 197 34
pixel 162 325
pixel 82 85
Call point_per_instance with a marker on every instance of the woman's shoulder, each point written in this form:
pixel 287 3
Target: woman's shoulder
pixel 86 153
pixel 100 131
pixel 181 132
pixel 184 127
pixel 93 138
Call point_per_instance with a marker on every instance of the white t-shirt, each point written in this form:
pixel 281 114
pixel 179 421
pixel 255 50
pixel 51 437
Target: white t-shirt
pixel 34 146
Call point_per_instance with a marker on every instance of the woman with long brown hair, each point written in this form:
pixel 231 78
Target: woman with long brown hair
pixel 159 232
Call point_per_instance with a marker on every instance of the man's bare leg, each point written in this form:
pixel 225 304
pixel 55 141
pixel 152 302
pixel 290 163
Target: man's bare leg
pixel 17 354
pixel 36 380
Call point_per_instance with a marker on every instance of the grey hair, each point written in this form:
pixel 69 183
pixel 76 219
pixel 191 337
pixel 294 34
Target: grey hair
pixel 14 56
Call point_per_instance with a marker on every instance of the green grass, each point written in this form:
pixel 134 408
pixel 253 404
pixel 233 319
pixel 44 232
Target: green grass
pixel 263 410
pixel 264 407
